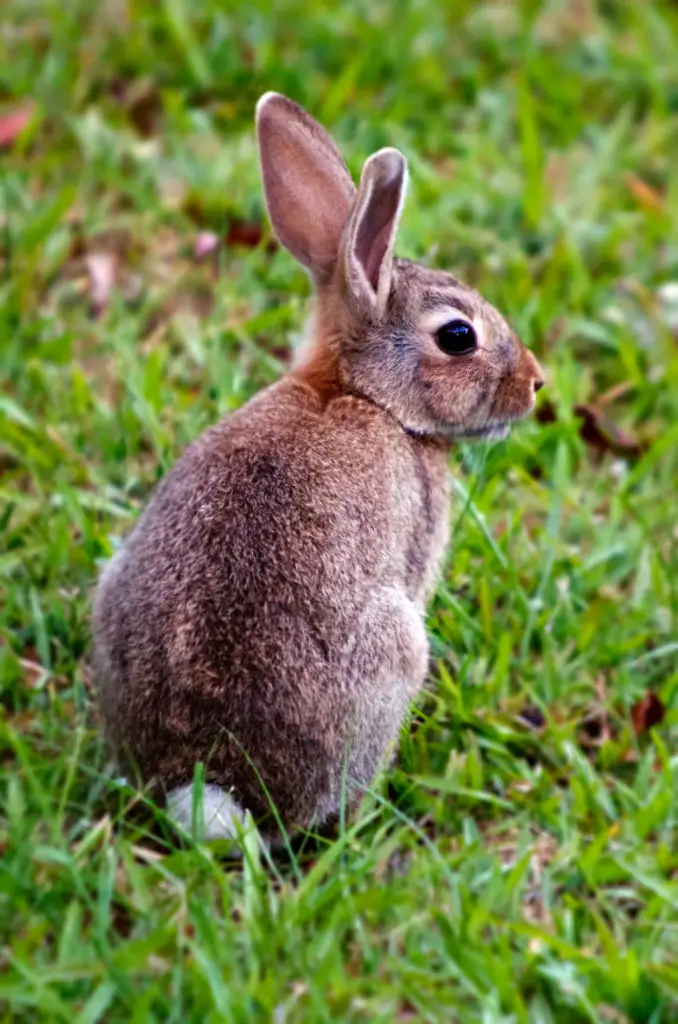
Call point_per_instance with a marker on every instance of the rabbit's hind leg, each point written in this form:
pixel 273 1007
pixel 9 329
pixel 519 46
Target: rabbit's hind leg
pixel 385 667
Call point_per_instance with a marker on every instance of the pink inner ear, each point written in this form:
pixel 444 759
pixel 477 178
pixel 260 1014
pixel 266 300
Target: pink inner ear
pixel 309 191
pixel 375 230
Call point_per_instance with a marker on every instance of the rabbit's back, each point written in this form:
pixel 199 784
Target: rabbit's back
pixel 229 627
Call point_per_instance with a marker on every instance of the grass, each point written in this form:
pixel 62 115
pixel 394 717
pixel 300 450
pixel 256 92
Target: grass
pixel 520 863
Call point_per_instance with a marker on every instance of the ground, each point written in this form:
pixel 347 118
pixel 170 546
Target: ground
pixel 520 862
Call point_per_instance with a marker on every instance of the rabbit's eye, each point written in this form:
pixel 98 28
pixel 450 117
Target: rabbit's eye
pixel 457 338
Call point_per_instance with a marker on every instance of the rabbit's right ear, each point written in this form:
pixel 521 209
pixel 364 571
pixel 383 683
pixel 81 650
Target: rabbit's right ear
pixel 309 191
pixel 374 221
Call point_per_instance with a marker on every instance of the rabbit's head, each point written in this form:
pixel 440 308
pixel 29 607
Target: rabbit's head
pixel 415 341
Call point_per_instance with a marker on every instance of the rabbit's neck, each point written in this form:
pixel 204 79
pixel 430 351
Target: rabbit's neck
pixel 320 371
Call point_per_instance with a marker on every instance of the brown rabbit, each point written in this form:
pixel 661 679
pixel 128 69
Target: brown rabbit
pixel 266 615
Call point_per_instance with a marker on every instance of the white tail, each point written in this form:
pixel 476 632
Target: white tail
pixel 218 816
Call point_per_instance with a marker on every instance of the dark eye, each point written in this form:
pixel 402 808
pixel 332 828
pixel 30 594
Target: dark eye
pixel 457 338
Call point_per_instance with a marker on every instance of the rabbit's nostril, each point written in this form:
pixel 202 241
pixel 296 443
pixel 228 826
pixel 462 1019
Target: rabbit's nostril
pixel 537 385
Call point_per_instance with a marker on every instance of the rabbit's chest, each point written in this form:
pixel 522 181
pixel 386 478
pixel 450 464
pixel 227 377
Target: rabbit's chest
pixel 425 522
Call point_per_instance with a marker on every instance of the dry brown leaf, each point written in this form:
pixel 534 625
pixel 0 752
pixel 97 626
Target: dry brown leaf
pixel 245 233
pixel 566 21
pixel 646 712
pixel 643 193
pixel 141 101
pixel 600 433
pixel 533 717
pixel 145 111
pixel 611 1015
pixel 147 856
pixel 615 392
pixel 597 429
pixel 546 412
pixel 601 694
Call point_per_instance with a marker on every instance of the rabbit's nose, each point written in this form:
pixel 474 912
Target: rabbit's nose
pixel 532 370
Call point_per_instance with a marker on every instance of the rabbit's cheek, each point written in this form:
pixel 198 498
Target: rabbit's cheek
pixel 457 394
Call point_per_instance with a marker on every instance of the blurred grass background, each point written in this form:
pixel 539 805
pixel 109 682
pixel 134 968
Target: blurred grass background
pixel 520 862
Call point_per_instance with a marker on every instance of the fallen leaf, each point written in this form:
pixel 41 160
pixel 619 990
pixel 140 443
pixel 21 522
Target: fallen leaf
pixel 643 193
pixel 13 123
pixel 120 918
pixel 145 111
pixel 573 21
pixel 546 412
pixel 615 392
pixel 101 270
pixel 532 716
pixel 520 786
pixel 601 694
pixel 248 234
pixel 598 431
pixel 34 672
pixel 646 712
pixel 141 102
pixel 611 1015
pixel 147 856
pixel 22 722
pixel 245 233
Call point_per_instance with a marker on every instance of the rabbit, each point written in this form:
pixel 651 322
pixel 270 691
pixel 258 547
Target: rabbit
pixel 265 617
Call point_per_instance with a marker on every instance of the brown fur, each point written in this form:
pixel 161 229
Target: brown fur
pixel 265 617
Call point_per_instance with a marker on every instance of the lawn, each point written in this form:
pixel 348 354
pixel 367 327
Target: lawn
pixel 520 861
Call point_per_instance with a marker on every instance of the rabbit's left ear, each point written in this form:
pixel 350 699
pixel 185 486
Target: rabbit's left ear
pixel 371 233
pixel 309 191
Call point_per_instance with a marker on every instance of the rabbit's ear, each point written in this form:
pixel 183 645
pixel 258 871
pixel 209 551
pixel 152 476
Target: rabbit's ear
pixel 309 191
pixel 374 222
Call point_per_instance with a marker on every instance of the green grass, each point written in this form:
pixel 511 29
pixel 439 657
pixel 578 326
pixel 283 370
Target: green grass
pixel 503 872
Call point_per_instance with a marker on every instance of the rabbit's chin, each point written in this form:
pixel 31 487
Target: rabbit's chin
pixel 493 432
